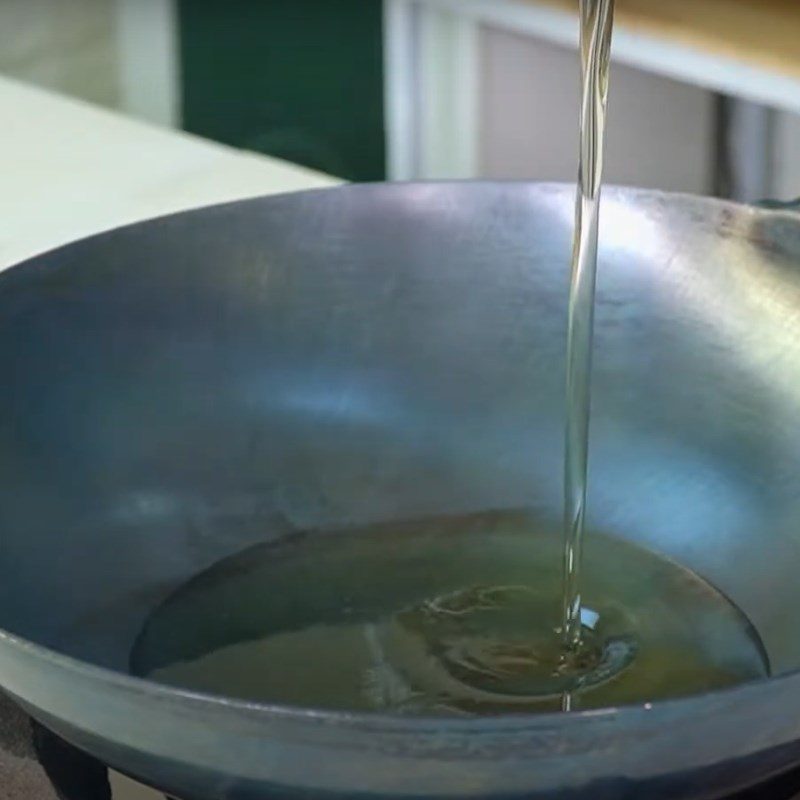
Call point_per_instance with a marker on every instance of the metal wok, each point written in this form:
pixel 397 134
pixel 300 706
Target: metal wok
pixel 180 389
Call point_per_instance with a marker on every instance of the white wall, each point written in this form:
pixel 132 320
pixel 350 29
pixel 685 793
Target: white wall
pixel 660 132
pixel 122 54
pixel 65 45
pixel 787 157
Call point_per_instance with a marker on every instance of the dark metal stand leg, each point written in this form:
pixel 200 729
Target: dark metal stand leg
pixel 75 775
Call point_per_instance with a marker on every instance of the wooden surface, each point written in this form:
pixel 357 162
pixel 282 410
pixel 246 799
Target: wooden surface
pixel 764 33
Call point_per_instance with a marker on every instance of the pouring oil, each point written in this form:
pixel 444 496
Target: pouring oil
pixel 465 615
pixel 450 616
pixel 596 28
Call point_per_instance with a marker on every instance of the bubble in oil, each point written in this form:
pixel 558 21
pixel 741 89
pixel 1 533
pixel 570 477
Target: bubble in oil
pixel 452 615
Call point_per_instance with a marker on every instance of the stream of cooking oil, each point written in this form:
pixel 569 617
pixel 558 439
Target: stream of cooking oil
pixel 597 23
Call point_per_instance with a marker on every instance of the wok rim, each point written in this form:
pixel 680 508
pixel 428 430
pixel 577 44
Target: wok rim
pixel 381 722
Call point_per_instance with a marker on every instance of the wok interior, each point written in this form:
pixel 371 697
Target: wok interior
pixel 179 390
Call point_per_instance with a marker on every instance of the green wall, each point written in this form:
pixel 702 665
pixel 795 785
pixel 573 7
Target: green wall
pixel 298 79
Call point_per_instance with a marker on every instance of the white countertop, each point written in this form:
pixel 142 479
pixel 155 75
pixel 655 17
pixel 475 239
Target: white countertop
pixel 69 169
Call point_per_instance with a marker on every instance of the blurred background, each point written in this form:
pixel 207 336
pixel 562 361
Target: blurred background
pixel 705 96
